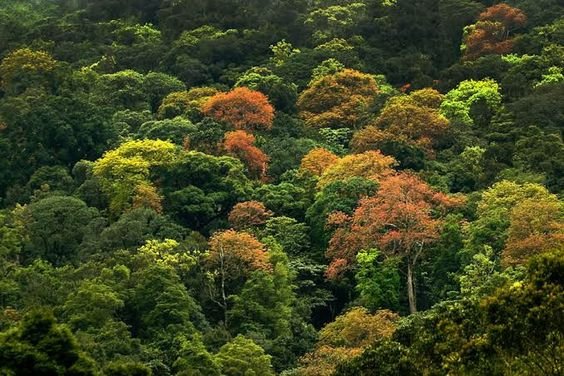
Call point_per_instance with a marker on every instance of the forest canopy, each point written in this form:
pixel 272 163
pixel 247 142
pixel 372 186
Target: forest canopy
pixel 281 187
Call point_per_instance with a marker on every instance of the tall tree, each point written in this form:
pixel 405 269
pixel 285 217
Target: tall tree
pixel 232 257
pixel 400 220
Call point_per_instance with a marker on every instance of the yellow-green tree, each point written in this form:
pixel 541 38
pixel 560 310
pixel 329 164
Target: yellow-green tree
pixel 25 68
pixel 124 172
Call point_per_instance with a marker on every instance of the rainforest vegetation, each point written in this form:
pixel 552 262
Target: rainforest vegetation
pixel 281 187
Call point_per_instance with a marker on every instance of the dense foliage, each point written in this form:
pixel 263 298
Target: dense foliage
pixel 293 187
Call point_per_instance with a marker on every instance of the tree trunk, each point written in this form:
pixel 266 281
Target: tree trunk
pixel 223 294
pixel 411 287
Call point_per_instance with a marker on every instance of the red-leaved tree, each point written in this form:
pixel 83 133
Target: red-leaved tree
pixel 491 34
pixel 241 108
pixel 240 144
pixel 402 219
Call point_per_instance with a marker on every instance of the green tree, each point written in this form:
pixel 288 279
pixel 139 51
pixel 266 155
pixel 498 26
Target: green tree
pixel 242 357
pixel 281 94
pixel 40 346
pixel 121 90
pixel 121 171
pixel 472 102
pixel 201 189
pixel 175 130
pixel 292 235
pixel 158 85
pixel 127 368
pixel 57 226
pixel 377 280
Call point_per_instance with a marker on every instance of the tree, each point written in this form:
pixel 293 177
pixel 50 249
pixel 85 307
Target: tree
pixel 342 196
pixel 233 256
pixel 53 130
pixel 286 154
pixel 137 46
pixel 490 35
pixel 176 130
pixel 335 21
pixel 511 18
pixel 486 38
pixel 472 102
pixel 386 357
pixel 414 120
pixel 371 165
pixel 292 235
pixel 92 305
pixel 187 103
pixel 346 338
pixel 286 198
pixel 159 304
pixel 248 214
pixel 494 213
pixel 200 189
pixel 158 85
pixel 240 144
pixel 242 357
pixel 524 319
pixel 281 94
pixel 25 69
pixel 318 160
pixel 536 226
pixel 377 280
pixel 133 229
pixel 125 170
pixel 121 90
pixel 342 99
pixel 241 108
pixel 264 309
pixel 195 360
pixel 57 225
pixel 40 346
pixel 125 368
pixel 398 220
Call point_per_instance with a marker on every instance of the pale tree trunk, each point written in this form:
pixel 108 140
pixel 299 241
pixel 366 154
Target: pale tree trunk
pixel 223 294
pixel 411 287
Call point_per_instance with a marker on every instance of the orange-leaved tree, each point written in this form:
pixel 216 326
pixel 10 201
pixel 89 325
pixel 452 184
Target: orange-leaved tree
pixel 402 219
pixel 240 144
pixel 242 108
pixel 511 18
pixel 491 34
pixel 233 256
pixel 248 214
pixel 318 160
pixel 339 100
